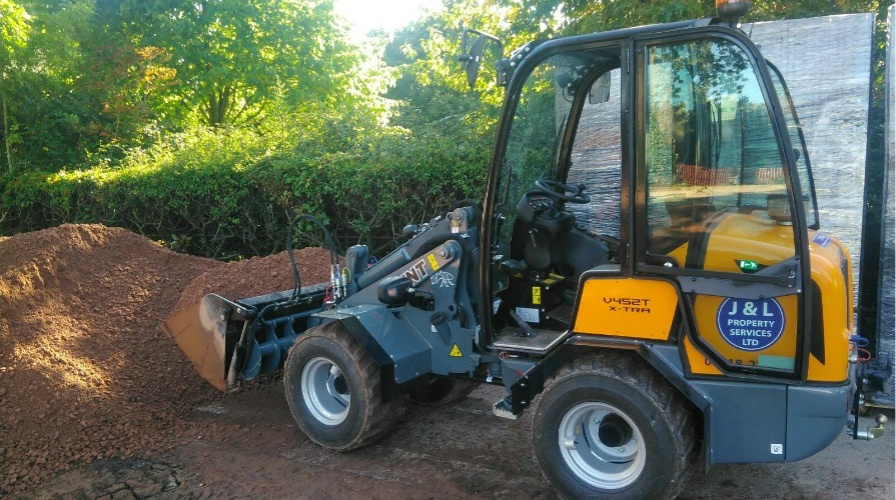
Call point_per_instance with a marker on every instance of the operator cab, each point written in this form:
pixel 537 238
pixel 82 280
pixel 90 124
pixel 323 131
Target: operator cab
pixel 646 156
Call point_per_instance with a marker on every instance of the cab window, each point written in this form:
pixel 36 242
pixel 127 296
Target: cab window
pixel 711 154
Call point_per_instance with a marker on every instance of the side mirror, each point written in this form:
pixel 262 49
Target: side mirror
pixel 732 10
pixel 600 90
pixel 472 60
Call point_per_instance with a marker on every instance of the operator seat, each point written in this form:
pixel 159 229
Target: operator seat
pixel 543 226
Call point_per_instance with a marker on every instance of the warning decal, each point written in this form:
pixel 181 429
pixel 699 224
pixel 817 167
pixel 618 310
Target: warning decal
pixel 750 325
pixel 455 352
pixel 536 295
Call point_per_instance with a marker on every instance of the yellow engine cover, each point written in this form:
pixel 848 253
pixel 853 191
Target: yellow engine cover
pixel 627 307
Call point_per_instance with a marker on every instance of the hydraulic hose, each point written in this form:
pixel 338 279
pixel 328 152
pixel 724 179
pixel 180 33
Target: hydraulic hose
pixel 297 281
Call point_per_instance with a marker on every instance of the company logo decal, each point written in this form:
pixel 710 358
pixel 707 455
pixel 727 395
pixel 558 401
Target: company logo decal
pixel 750 325
pixel 417 272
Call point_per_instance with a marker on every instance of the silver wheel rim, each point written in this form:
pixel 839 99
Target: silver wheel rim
pixel 602 446
pixel 325 391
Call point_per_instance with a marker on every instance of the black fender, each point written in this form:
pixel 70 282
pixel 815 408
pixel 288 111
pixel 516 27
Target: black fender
pixel 663 358
pixel 400 352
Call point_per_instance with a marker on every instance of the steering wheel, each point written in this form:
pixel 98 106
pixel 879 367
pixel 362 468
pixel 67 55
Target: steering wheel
pixel 550 189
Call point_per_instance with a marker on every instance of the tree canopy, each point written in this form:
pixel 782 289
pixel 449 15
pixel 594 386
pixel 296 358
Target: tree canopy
pixel 14 28
pixel 233 59
pixel 100 76
pixel 87 82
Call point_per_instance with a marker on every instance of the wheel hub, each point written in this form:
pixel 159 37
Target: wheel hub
pixel 325 391
pixel 602 446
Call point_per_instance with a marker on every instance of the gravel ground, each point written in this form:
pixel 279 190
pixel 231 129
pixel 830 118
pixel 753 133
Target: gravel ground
pixel 251 448
pixel 96 402
pixel 86 372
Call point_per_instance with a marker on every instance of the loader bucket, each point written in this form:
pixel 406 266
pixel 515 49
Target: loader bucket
pixel 228 341
pixel 200 331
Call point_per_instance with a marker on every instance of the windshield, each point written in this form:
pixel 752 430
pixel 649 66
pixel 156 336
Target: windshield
pixel 803 166
pixel 548 107
pixel 540 121
pixel 541 114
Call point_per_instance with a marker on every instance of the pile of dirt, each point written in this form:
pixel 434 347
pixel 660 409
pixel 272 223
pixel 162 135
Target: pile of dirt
pixel 85 369
pixel 259 276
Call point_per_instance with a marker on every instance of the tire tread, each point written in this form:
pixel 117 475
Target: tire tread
pixel 636 373
pixel 380 416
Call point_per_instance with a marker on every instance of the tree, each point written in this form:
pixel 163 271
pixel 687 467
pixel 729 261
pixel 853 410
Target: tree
pixel 234 59
pixel 56 116
pixel 424 54
pixel 14 28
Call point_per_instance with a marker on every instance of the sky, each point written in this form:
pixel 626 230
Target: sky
pixel 366 15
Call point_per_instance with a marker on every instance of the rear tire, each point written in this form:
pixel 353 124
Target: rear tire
pixel 334 390
pixel 607 426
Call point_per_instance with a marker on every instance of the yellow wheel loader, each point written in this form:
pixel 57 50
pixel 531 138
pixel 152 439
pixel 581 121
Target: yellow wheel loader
pixel 645 274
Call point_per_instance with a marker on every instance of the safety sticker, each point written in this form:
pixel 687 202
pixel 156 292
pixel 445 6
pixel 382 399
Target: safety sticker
pixel 750 325
pixel 747 266
pixel 536 295
pixel 552 278
pixel 822 239
pixel 528 314
pixel 433 262
pixel 455 352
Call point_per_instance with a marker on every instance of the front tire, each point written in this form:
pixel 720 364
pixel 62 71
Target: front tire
pixel 607 426
pixel 334 390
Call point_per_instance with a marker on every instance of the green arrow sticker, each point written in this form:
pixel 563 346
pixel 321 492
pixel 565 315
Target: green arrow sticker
pixel 748 266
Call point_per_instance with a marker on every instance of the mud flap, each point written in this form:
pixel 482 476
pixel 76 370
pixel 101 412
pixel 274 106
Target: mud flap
pixel 393 344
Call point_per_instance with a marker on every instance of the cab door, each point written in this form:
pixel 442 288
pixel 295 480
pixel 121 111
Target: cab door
pixel 714 205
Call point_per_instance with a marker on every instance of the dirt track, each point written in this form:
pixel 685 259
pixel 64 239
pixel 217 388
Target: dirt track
pixel 251 449
pixel 95 402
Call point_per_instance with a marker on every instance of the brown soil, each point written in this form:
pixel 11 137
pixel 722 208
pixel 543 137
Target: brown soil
pixel 89 383
pixel 258 276
pixel 86 372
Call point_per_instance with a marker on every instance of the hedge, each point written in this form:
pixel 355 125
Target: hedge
pixel 232 194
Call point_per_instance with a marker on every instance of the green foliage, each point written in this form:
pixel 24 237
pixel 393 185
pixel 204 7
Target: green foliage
pixel 56 113
pixel 231 193
pixel 210 124
pixel 235 58
pixel 14 31
pixel 98 77
pixel 584 17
